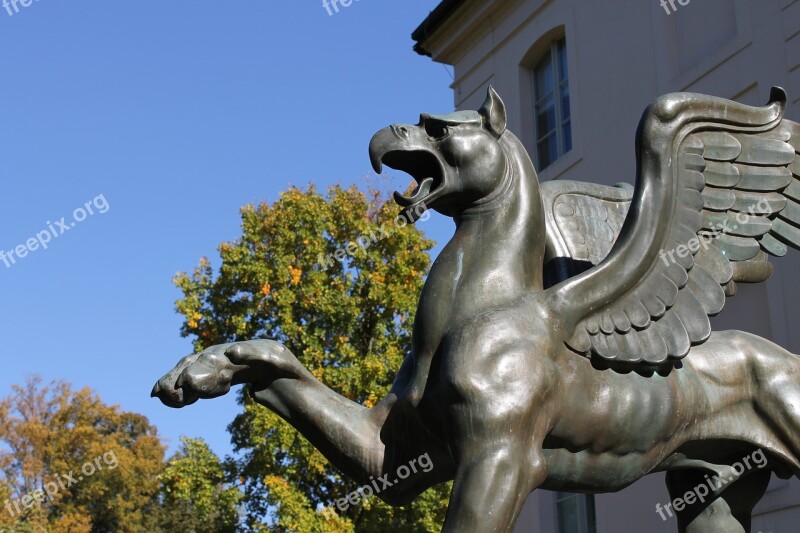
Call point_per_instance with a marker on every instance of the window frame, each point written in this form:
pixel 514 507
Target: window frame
pixel 552 53
pixel 586 511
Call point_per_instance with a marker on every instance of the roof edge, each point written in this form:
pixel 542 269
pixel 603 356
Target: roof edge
pixel 435 20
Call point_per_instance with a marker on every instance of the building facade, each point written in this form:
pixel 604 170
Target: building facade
pixel 575 77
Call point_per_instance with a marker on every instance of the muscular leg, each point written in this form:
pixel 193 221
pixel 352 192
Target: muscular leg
pixel 728 512
pixel 361 442
pixel 489 490
pixel 491 426
pixel 778 376
pixel 756 390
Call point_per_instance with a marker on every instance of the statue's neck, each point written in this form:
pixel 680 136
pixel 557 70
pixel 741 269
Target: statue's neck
pixel 495 256
pixel 504 241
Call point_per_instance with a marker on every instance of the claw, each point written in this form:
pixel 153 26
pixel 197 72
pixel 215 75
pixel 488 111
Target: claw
pixel 212 372
pixel 175 398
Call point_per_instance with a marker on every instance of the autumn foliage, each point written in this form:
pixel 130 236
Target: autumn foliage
pixel 349 322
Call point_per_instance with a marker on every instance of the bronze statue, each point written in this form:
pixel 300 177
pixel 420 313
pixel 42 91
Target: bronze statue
pixel 562 339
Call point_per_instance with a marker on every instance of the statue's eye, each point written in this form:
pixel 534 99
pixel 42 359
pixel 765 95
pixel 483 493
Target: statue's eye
pixel 436 130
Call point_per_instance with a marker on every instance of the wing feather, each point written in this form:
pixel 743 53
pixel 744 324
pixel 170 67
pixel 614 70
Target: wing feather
pixel 653 345
pixel 606 346
pixel 737 248
pixel 692 201
pixel 707 290
pixel 606 324
pixel 622 323
pixel 773 246
pixel 791 213
pixel 719 146
pixel 655 306
pixel 758 203
pixel 674 333
pixel 698 227
pixel 712 261
pixel 722 175
pixel 630 349
pixel 718 199
pixel 695 320
pixel 637 314
pixel 793 190
pixel 761 150
pixel 763 179
pixel 786 232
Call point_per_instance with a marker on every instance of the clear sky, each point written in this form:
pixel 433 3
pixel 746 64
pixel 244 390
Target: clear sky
pixel 169 116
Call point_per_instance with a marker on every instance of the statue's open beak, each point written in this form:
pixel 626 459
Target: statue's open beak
pixel 399 148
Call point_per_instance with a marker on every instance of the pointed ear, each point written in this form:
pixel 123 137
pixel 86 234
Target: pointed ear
pixel 494 113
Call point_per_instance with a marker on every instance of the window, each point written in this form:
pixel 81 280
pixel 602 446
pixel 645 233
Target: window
pixel 575 513
pixel 552 125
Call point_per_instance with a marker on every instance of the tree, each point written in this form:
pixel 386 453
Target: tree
pixel 71 463
pixel 336 278
pixel 194 496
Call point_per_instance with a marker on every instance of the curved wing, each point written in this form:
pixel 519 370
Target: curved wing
pixel 583 221
pixel 717 189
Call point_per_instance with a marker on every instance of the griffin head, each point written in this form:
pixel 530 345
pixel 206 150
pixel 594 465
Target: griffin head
pixel 456 159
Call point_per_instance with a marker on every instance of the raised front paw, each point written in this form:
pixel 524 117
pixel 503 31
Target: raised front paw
pixel 212 372
pixel 207 374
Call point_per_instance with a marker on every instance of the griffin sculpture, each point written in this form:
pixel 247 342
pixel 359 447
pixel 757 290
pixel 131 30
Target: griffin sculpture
pixel 562 339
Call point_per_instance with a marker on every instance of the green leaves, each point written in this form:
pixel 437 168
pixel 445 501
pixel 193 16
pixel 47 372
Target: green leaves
pixel 333 278
pixel 195 496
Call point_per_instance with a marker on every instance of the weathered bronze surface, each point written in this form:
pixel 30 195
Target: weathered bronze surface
pixel 562 339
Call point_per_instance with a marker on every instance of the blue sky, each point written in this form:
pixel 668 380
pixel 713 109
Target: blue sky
pixel 177 113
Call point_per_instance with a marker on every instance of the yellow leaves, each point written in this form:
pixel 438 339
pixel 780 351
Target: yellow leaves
pixel 376 278
pixel 317 463
pixel 194 320
pixel 412 279
pixel 296 274
pixel 296 513
pixel 266 289
pixel 75 521
pixel 370 402
pixel 55 429
pixel 333 523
